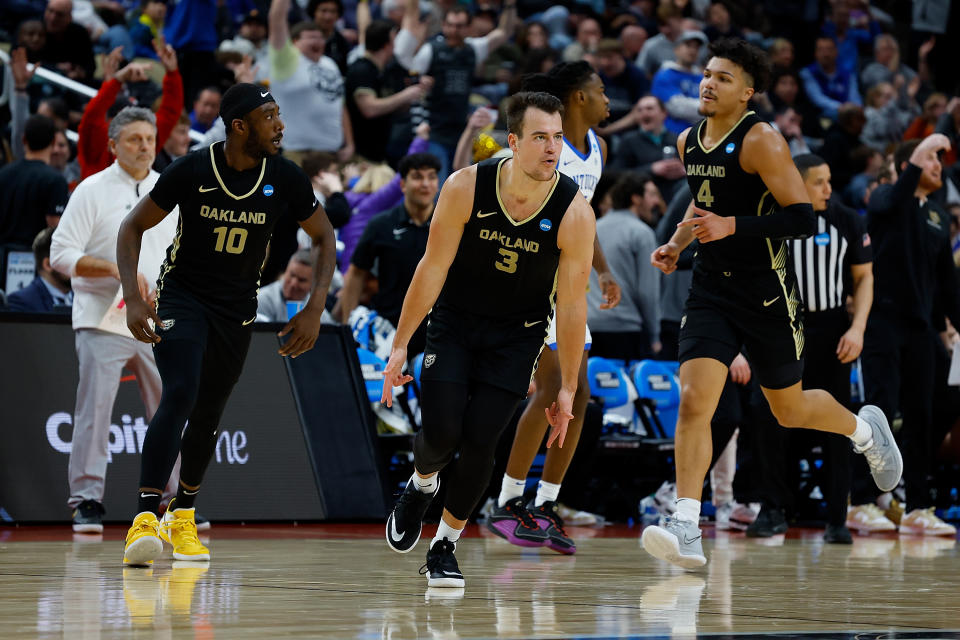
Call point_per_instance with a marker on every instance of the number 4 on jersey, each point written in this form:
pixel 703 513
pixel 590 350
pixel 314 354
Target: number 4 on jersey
pixel 704 195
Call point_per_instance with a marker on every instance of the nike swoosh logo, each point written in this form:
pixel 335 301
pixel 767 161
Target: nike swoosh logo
pixel 399 232
pixel 691 149
pixel 484 215
pixel 687 540
pixel 530 324
pixel 205 189
pixel 147 495
pixel 395 535
pixel 264 94
pixel 767 303
pixel 450 574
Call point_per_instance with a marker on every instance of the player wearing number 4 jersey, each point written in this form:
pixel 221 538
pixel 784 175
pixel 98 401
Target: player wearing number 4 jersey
pixel 508 239
pixel 748 199
pixel 231 196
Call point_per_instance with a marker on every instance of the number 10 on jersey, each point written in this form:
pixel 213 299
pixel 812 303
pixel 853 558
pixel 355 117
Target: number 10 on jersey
pixel 232 239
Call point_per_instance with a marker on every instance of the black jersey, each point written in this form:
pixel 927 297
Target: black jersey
pixel 226 221
pixel 506 268
pixel 720 185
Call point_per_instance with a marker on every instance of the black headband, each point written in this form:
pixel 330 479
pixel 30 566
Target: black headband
pixel 241 99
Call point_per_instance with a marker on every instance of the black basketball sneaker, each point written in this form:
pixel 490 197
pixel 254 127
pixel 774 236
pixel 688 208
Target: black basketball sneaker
pixel 406 520
pixel 516 525
pixel 441 568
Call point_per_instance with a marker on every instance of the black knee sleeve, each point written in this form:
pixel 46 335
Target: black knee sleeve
pixel 441 412
pixel 179 363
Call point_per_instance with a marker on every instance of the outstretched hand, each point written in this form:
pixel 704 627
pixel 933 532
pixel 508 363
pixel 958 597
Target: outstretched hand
pixel 708 226
pixel 559 416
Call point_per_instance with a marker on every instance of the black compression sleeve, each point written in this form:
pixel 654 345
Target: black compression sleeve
pixel 793 221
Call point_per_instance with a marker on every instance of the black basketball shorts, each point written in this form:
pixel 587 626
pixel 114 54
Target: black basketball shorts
pixel 467 348
pixel 759 311
pixel 224 341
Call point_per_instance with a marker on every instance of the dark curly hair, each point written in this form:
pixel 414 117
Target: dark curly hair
pixel 561 81
pixel 753 60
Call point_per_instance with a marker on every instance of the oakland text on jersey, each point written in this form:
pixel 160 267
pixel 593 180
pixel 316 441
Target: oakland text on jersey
pixel 707 170
pixel 530 246
pixel 229 215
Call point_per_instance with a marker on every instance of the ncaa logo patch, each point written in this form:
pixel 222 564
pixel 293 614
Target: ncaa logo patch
pixel 166 325
pixel 822 239
pixel 268 190
pixel 429 359
pixel 545 225
pixel 730 147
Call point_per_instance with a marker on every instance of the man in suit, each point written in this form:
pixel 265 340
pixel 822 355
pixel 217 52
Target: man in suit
pixel 50 289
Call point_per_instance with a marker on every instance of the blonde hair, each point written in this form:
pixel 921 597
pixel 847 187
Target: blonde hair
pixel 374 178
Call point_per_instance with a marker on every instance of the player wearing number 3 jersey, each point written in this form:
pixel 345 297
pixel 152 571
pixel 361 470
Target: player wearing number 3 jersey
pixel 509 239
pixel 231 196
pixel 748 198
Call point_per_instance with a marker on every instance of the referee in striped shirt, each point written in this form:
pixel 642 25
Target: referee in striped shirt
pixel 836 261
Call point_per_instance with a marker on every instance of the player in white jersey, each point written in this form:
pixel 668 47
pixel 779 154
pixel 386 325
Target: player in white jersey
pixel 581 90
pixel 584 168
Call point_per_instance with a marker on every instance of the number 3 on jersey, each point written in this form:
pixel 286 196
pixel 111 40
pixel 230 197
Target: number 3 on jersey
pixel 704 195
pixel 509 262
pixel 234 239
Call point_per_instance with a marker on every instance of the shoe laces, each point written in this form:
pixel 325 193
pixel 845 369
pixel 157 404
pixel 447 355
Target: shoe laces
pixel 413 495
pixel 145 524
pixel 440 557
pixel 515 508
pixel 550 513
pixel 182 527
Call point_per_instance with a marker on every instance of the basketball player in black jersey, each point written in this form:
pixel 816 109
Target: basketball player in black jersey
pixel 509 238
pixel 748 198
pixel 230 196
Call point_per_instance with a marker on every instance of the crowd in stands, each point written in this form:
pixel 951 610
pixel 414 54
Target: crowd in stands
pixel 383 99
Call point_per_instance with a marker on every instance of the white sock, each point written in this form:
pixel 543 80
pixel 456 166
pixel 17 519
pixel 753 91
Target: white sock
pixel 510 488
pixel 425 485
pixel 546 492
pixel 446 531
pixel 863 433
pixel 688 509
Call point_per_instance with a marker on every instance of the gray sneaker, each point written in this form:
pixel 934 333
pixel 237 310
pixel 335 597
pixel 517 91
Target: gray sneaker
pixel 676 541
pixel 882 454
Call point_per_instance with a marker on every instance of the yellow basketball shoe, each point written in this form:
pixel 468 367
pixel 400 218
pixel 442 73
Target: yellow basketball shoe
pixel 143 540
pixel 179 529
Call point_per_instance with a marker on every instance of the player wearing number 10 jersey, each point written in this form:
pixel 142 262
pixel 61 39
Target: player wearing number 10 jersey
pixel 748 197
pixel 230 197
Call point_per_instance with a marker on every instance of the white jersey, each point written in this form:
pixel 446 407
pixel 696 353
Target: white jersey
pixel 584 169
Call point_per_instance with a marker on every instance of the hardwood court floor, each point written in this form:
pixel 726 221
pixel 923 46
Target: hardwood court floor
pixel 341 581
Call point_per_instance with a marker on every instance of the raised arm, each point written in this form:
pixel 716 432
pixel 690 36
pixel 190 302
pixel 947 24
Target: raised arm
pixel 446 229
pixel 576 241
pixel 279 31
pixel 505 28
pixel 305 325
pixel 145 215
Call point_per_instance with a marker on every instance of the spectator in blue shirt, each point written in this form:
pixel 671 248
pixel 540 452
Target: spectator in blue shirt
pixel 677 84
pixel 826 84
